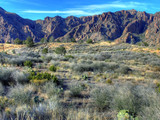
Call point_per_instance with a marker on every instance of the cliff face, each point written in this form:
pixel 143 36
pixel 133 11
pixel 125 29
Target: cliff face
pixel 13 26
pixel 122 26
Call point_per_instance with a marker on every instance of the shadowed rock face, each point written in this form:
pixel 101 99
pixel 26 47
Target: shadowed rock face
pixel 122 26
pixel 13 26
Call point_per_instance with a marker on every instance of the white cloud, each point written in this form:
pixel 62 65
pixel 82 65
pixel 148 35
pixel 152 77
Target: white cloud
pixel 117 4
pixel 22 2
pixel 70 12
pixel 95 9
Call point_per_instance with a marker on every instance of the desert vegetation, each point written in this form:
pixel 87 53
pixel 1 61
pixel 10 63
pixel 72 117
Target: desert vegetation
pixel 79 81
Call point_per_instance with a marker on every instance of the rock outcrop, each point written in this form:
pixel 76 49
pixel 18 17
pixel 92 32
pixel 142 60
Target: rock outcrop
pixel 122 26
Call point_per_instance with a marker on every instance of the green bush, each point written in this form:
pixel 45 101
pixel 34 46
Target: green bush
pixel 85 77
pixel 76 90
pixel 28 63
pixel 21 94
pixel 51 89
pixel 44 40
pixel 124 70
pixel 127 98
pixel 145 44
pixel 60 50
pixel 17 41
pixel 109 81
pixel 45 51
pixel 5 102
pixel 52 68
pixel 51 39
pixel 94 67
pixel 73 40
pixel 124 115
pixel 101 97
pixel 89 41
pixel 11 76
pixel 69 56
pixel 29 42
pixel 13 51
pixel 43 76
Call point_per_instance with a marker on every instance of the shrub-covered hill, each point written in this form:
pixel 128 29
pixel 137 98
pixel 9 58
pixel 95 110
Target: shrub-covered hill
pixel 72 81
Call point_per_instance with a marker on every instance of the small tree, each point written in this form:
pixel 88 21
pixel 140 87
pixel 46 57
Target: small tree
pixel 29 42
pixel 73 40
pixel 60 50
pixel 51 39
pixel 44 40
pixel 52 68
pixel 45 51
pixel 89 41
pixel 17 41
pixel 28 63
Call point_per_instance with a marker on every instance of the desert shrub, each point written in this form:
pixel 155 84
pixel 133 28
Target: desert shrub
pixel 48 110
pixel 125 115
pixel 60 50
pixel 102 56
pixel 89 41
pixel 51 89
pixel 47 59
pixel 53 68
pixel 152 106
pixel 85 77
pixel 14 51
pixel 101 97
pixel 41 112
pixel 44 40
pixel 153 75
pixel 43 77
pixel 123 101
pixel 1 89
pixel 86 62
pixel 29 42
pixel 151 112
pixel 21 94
pixel 39 82
pixel 5 75
pixel 12 76
pixel 56 63
pixel 75 90
pixel 28 63
pixel 73 40
pixel 16 61
pixel 20 77
pixel 69 56
pixel 19 59
pixel 145 44
pixel 17 41
pixel 95 67
pixel 45 51
pixel 124 70
pixel 131 98
pixel 5 102
pixel 109 81
pixel 155 64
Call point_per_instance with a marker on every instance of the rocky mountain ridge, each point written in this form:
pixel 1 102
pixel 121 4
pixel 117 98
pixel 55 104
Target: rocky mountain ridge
pixel 128 26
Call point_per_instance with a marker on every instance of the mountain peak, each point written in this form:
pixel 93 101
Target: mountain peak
pixel 2 10
pixel 122 26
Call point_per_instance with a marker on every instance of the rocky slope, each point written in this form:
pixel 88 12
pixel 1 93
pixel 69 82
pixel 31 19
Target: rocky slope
pixel 13 26
pixel 128 26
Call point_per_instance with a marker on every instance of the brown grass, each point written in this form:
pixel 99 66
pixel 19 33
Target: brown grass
pixel 7 47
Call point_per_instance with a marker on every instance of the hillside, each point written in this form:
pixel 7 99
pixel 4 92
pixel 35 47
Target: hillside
pixel 128 26
pixel 101 81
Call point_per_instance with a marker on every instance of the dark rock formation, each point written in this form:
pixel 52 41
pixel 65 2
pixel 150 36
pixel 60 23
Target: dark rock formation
pixel 122 26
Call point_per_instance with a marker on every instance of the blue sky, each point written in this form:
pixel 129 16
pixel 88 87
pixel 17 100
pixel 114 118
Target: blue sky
pixel 39 9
